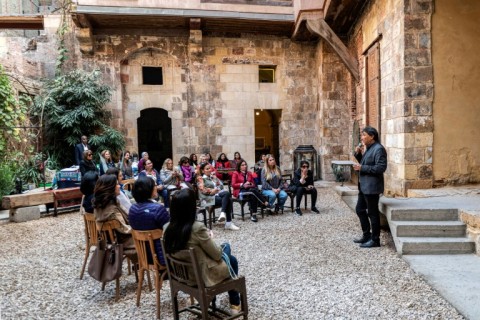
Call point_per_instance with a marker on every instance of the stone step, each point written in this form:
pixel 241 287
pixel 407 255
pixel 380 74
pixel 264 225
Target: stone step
pixel 432 245
pixel 427 228
pixel 422 214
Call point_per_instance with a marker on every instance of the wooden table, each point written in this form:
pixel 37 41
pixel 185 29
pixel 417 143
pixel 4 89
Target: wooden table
pixel 43 197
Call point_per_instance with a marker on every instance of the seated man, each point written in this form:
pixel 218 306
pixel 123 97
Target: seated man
pixel 303 181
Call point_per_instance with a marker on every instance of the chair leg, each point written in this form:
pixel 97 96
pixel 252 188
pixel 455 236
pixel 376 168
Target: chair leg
pixel 306 198
pixel 129 267
pixel 157 292
pixel 117 289
pixel 242 204
pixel 176 315
pixel 87 253
pixel 139 287
pixel 149 281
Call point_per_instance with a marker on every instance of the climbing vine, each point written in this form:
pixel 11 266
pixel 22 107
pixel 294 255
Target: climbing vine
pixel 65 8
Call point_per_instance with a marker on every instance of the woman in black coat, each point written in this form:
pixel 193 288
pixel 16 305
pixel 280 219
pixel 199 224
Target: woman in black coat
pixel 87 163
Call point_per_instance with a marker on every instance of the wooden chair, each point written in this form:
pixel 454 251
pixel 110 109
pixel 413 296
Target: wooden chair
pixel 144 243
pixel 186 276
pixel 204 211
pixel 288 178
pixel 242 203
pixel 107 232
pixel 91 236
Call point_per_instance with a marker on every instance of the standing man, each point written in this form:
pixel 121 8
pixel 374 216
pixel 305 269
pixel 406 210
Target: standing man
pixel 372 158
pixel 80 148
pixel 303 181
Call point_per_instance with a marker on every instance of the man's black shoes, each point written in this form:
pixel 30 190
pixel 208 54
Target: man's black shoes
pixel 298 212
pixel 370 244
pixel 362 239
pixel 314 209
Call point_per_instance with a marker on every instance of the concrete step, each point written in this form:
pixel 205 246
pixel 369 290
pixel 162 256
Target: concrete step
pixel 427 228
pixel 421 214
pixel 432 245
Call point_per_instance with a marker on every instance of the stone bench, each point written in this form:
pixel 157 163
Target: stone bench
pixel 24 207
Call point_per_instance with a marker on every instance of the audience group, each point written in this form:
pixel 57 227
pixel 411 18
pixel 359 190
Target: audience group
pixel 168 199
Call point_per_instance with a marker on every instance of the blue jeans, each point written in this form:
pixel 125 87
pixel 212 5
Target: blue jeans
pixel 282 197
pixel 233 295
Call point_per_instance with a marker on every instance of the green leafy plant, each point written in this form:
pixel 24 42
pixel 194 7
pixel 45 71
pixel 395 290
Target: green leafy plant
pixel 72 105
pixel 7 179
pixel 30 169
pixel 13 115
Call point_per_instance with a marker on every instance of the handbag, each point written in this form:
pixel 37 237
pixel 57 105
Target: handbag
pixel 106 262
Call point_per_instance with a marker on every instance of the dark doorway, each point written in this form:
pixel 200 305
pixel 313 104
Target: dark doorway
pixel 266 133
pixel 155 135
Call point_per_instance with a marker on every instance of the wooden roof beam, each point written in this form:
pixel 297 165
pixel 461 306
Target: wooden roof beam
pixel 23 22
pixel 320 27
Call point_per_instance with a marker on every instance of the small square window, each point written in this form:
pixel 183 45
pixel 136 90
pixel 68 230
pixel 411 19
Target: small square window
pixel 152 75
pixel 266 74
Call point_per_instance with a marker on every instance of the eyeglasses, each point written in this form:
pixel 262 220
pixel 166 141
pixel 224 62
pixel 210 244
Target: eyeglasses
pixel 304 166
pixel 89 154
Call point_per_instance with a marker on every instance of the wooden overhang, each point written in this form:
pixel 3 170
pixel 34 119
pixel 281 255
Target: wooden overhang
pixel 101 18
pixel 25 22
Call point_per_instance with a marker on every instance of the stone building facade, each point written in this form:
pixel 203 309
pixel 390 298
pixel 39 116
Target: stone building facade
pixel 395 71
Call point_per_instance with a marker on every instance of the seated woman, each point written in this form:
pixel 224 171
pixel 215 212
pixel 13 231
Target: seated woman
pixel 87 163
pixel 87 187
pixel 272 186
pixel 193 160
pixel 125 165
pixel 184 232
pixel 106 162
pixel 106 208
pixel 146 213
pixel 242 181
pixel 211 193
pixel 155 176
pixel 122 198
pixel 171 178
pixel 186 169
pixel 303 181
pixel 223 163
pixel 236 158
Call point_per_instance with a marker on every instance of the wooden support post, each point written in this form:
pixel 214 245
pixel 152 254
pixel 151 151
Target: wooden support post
pixel 320 27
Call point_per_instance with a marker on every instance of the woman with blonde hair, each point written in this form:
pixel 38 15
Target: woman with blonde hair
pixel 272 186
pixel 106 161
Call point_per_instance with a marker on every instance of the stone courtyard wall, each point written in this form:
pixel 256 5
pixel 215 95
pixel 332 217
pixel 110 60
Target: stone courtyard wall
pixel 406 88
pixel 211 95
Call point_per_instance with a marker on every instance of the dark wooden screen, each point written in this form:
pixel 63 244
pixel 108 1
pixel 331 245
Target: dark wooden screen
pixel 373 86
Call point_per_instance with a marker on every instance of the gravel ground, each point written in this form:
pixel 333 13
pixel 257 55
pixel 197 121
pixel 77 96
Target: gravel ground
pixel 296 268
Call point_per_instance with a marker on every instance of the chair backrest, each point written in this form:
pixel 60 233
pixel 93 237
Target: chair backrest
pixel 144 243
pixel 91 233
pixel 107 230
pixel 182 271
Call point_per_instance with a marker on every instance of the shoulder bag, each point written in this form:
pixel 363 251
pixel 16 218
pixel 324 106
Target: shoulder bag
pixel 106 262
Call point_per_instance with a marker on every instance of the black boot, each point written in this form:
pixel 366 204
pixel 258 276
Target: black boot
pixel 370 244
pixel 363 239
pixel 253 218
pixel 298 211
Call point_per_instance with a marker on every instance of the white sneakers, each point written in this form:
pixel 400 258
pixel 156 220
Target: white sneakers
pixel 222 217
pixel 231 226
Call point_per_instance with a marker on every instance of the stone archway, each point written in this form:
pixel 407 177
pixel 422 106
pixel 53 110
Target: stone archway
pixel 155 135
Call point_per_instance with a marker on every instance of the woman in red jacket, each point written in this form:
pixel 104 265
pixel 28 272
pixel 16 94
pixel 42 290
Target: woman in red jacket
pixel 243 185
